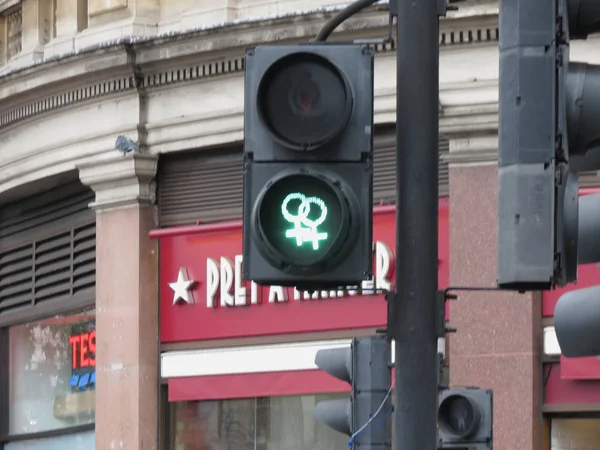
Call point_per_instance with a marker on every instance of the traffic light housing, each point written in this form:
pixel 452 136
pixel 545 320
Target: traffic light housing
pixel 577 313
pixel 465 419
pixel 308 165
pixel 548 115
pixel 366 366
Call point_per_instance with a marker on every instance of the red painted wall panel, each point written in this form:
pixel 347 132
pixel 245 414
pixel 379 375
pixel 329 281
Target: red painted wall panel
pixel 249 385
pixel 580 368
pixel 560 391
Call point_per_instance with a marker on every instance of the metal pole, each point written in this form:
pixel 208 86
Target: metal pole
pixel 417 123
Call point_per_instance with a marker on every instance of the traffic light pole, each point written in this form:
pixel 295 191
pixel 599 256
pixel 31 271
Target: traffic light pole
pixel 416 394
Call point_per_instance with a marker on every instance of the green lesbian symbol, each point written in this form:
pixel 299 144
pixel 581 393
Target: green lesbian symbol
pixel 305 229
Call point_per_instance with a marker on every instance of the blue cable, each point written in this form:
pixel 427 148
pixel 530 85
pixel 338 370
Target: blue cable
pixel 374 424
pixel 370 421
pixel 374 416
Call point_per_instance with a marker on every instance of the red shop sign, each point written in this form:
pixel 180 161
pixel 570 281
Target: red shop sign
pixel 202 295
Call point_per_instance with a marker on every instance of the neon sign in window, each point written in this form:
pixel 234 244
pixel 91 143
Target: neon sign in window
pixel 83 361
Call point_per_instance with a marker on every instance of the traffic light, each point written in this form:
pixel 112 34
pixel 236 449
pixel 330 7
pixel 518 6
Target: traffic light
pixel 549 109
pixel 308 165
pixel 577 313
pixel 365 416
pixel 465 419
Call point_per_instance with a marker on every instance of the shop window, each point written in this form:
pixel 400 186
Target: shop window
pixel 282 423
pixel 575 434
pixel 51 381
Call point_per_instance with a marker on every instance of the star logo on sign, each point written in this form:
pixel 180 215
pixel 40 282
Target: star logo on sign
pixel 182 288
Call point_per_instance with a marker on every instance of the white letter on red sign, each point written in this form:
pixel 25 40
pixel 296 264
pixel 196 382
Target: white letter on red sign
pixel 212 282
pixel 383 261
pixel 240 288
pixel 277 294
pixel 226 282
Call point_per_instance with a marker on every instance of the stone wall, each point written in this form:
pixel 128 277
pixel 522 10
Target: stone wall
pixel 184 91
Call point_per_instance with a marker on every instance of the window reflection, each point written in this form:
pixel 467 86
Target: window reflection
pixel 282 423
pixel 52 373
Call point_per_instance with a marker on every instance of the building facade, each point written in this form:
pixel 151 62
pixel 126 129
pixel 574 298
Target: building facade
pixel 137 256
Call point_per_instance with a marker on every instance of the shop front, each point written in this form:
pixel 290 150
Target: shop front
pixel 238 359
pixel 48 321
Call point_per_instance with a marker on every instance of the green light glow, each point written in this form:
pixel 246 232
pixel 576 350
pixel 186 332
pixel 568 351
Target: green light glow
pixel 305 230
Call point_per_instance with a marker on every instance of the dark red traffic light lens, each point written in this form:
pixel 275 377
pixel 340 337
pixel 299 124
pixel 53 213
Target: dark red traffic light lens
pixel 304 100
pixel 458 415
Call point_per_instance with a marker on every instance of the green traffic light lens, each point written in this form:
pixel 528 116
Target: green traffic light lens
pixel 302 218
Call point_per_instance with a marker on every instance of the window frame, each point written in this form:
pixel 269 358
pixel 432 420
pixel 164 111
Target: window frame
pixel 5 436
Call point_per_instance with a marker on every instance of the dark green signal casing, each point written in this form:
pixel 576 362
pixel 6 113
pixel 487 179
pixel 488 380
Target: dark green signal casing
pixel 308 165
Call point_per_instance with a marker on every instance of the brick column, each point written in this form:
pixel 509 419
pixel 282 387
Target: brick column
pixel 126 302
pixel 499 334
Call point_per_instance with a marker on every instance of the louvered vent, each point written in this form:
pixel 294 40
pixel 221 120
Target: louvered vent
pixel 200 186
pixel 47 250
pixel 206 186
pixel 59 266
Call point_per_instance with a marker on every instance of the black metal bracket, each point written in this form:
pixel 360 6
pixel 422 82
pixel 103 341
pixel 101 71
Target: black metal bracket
pixel 441 385
pixel 390 298
pixel 389 39
pixel 468 288
pixel 443 295
pixel 443 7
pixel 440 319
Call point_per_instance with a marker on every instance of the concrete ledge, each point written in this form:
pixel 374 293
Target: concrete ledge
pixel 121 181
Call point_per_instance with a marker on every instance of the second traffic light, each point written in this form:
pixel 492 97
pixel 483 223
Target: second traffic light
pixel 365 415
pixel 577 313
pixel 465 419
pixel 549 109
pixel 308 165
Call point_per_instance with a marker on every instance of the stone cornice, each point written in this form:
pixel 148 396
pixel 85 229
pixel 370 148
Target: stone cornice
pixel 121 181
pixel 488 157
pixel 7 4
pixel 473 109
pixel 474 149
pixel 463 120
pixel 198 54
